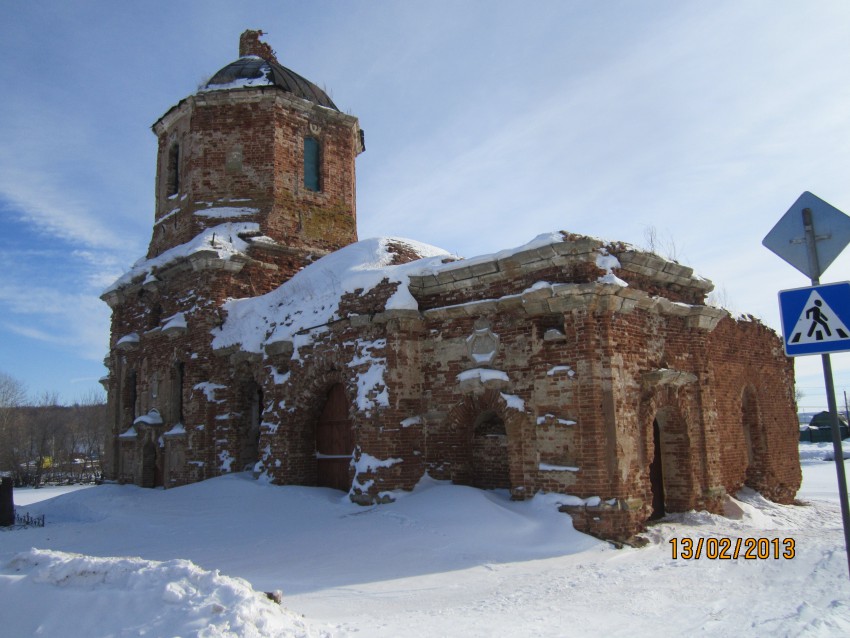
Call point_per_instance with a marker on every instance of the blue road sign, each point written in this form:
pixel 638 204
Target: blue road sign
pixel 815 320
pixel 831 230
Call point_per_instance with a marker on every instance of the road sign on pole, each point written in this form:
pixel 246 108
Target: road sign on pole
pixel 830 228
pixel 810 236
pixel 815 320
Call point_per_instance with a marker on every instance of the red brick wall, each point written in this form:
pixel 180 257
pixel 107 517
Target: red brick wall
pixel 244 148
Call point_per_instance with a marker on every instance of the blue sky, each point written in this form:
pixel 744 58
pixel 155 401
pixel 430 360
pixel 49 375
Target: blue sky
pixel 487 123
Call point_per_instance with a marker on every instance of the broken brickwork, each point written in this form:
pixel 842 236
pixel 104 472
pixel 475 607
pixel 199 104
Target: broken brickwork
pixel 575 366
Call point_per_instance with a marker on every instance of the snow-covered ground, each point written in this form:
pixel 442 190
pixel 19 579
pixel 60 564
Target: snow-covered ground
pixel 443 561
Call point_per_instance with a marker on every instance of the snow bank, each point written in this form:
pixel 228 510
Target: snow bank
pixel 132 596
pixel 446 560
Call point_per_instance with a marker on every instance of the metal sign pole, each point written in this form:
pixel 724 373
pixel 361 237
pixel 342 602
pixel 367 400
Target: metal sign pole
pixel 838 452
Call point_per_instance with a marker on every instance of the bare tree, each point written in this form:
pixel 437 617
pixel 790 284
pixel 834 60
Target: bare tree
pixel 42 430
pixel 12 396
pixel 719 298
pixel 662 246
pixel 91 426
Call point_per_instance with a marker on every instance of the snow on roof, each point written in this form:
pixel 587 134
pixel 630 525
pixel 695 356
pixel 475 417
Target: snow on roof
pixel 311 297
pixel 310 300
pixel 177 430
pixel 223 239
pixel 133 337
pixel 151 418
pixel 538 242
pixel 175 321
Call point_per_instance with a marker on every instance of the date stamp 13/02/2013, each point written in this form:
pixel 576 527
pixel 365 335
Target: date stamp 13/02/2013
pixel 725 548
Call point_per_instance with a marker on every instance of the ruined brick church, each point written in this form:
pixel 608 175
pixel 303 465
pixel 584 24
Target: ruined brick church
pixel 258 334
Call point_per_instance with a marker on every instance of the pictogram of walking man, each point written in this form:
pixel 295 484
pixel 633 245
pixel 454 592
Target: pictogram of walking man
pixel 818 318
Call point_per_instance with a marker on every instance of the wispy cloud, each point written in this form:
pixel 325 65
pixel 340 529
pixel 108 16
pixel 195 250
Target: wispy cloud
pixel 55 211
pixel 79 323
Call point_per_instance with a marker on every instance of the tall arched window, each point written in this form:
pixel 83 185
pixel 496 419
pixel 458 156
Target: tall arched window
pixel 130 394
pixel 172 184
pixel 311 164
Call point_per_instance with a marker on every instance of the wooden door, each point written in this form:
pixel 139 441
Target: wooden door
pixel 656 476
pixel 334 442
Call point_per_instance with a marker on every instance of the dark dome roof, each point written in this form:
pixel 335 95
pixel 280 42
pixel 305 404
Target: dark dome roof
pixel 253 71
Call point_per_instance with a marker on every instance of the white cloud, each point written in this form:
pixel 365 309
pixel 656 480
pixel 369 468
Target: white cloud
pixel 76 322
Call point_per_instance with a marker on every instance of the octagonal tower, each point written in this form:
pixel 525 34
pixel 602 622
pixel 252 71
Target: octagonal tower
pixel 257 143
pixel 255 180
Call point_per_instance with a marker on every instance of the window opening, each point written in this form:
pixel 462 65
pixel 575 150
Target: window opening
pixel 173 182
pixel 311 164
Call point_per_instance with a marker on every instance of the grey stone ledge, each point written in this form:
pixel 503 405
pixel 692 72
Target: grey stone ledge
pixel 276 348
pixel 667 377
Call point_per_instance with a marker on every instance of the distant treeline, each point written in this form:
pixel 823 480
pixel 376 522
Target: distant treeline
pixel 42 442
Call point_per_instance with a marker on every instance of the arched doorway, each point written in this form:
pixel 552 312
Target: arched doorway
pixel 490 461
pixel 151 464
pixel 334 441
pixel 672 482
pixel 656 474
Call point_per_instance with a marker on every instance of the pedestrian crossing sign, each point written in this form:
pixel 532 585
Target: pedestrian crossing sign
pixel 815 320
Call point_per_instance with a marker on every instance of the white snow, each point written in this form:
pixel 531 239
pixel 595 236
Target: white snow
pixel 153 417
pixel 548 467
pixel 222 239
pixel 514 402
pixel 225 461
pixel 483 374
pixel 220 212
pixel 209 388
pixel 168 215
pixel 125 596
pixel 177 320
pixel 412 420
pixel 367 462
pixel 310 299
pixel 29 495
pixel 445 560
pixel 177 430
pixel 133 337
pixel 301 308
pixel 608 263
pixel 551 418
pixel 240 83
pixel 556 369
pixel 371 389
pixel 538 242
pixel 129 433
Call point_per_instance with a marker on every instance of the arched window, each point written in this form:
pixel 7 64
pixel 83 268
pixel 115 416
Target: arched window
pixel 130 394
pixel 311 164
pixel 155 315
pixel 178 373
pixel 172 184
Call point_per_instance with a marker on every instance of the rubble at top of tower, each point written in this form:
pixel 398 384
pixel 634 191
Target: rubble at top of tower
pixel 250 44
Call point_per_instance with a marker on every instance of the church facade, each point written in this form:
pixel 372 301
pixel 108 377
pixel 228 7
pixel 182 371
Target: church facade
pixel 258 334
